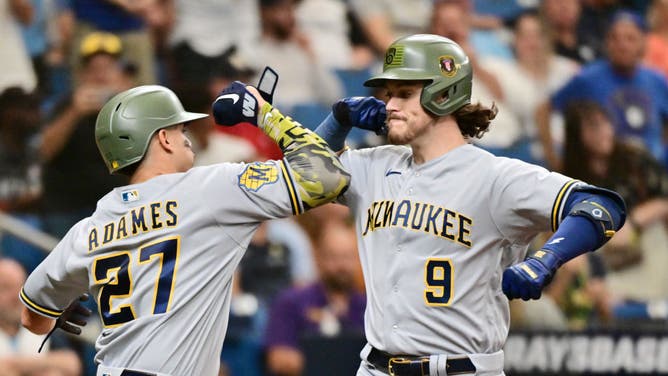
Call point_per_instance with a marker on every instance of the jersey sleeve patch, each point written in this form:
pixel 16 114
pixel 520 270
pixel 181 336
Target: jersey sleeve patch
pixel 257 175
pixel 49 312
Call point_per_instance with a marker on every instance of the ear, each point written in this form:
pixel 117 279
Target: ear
pixel 165 140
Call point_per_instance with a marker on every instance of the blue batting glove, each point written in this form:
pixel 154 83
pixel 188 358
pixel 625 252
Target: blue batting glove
pixel 235 105
pixel 361 112
pixel 527 279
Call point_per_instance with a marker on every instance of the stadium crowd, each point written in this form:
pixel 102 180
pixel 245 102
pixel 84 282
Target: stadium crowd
pixel 581 87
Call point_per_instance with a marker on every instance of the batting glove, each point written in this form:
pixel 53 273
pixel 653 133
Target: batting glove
pixel 361 112
pixel 527 279
pixel 72 318
pixel 235 105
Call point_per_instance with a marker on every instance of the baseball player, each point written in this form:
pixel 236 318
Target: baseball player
pixel 443 225
pixel 158 255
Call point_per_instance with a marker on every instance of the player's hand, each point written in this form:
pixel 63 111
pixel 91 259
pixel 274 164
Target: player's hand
pixel 71 320
pixel 361 112
pixel 237 103
pixel 527 279
pixel 74 316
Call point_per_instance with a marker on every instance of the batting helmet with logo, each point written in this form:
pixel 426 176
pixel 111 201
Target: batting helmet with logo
pixel 435 59
pixel 127 122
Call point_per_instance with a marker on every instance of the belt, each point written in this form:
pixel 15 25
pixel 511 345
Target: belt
pixel 406 365
pixel 129 372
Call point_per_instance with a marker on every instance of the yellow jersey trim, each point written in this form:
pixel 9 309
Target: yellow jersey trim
pixel 558 202
pixel 45 311
pixel 291 189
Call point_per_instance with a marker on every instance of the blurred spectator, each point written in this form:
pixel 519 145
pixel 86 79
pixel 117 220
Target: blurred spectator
pixel 656 54
pixel 205 32
pixel 383 21
pixel 451 19
pixel 561 18
pixel 209 145
pixel 279 256
pixel 529 79
pixel 638 253
pixel 14 59
pixel 327 26
pixel 129 20
pixel 282 46
pixel 18 346
pixel 20 185
pixel 71 194
pixel 40 36
pixel 596 18
pixel 636 97
pixel 327 308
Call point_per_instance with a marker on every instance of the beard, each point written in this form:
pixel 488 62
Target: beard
pixel 404 134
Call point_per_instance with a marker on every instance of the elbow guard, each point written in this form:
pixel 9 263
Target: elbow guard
pixel 605 208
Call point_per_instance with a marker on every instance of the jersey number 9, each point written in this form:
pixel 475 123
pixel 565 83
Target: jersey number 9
pixel 438 277
pixel 114 273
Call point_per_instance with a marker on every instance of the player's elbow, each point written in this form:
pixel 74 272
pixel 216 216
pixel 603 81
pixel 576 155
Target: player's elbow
pixel 36 323
pixel 336 183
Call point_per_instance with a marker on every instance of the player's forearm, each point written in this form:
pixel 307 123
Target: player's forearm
pixel 592 220
pixel 36 323
pixel 315 167
pixel 333 132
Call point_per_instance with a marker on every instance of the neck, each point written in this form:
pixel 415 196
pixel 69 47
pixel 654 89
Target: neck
pixel 443 135
pixel 536 65
pixel 149 171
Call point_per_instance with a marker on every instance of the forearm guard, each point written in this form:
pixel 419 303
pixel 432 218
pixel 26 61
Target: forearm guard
pixel 317 171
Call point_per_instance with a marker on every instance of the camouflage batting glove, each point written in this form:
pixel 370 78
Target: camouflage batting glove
pixel 234 105
pixel 361 112
pixel 527 279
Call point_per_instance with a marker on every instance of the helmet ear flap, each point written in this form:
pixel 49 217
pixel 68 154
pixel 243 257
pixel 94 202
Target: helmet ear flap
pixel 442 100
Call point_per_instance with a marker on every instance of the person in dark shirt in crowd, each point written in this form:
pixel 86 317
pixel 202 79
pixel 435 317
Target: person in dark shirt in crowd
pixel 20 185
pixel 327 308
pixel 71 193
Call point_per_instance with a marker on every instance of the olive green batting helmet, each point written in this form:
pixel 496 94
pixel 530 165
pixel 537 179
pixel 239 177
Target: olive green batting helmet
pixel 435 59
pixel 127 122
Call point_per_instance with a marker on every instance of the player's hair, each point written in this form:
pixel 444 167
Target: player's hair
pixel 474 119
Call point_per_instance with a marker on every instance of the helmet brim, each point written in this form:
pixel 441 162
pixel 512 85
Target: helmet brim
pixel 397 75
pixel 186 116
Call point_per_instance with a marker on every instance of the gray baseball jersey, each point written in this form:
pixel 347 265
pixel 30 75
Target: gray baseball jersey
pixel 435 238
pixel 159 258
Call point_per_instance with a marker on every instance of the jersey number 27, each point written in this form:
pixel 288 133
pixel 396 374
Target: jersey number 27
pixel 114 273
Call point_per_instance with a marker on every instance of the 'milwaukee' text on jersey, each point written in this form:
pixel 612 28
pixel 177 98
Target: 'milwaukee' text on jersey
pixel 154 216
pixel 420 216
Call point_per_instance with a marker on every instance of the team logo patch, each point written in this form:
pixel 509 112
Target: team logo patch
pixel 394 57
pixel 130 195
pixel 448 66
pixel 257 175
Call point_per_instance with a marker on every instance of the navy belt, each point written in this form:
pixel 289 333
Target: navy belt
pixel 406 365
